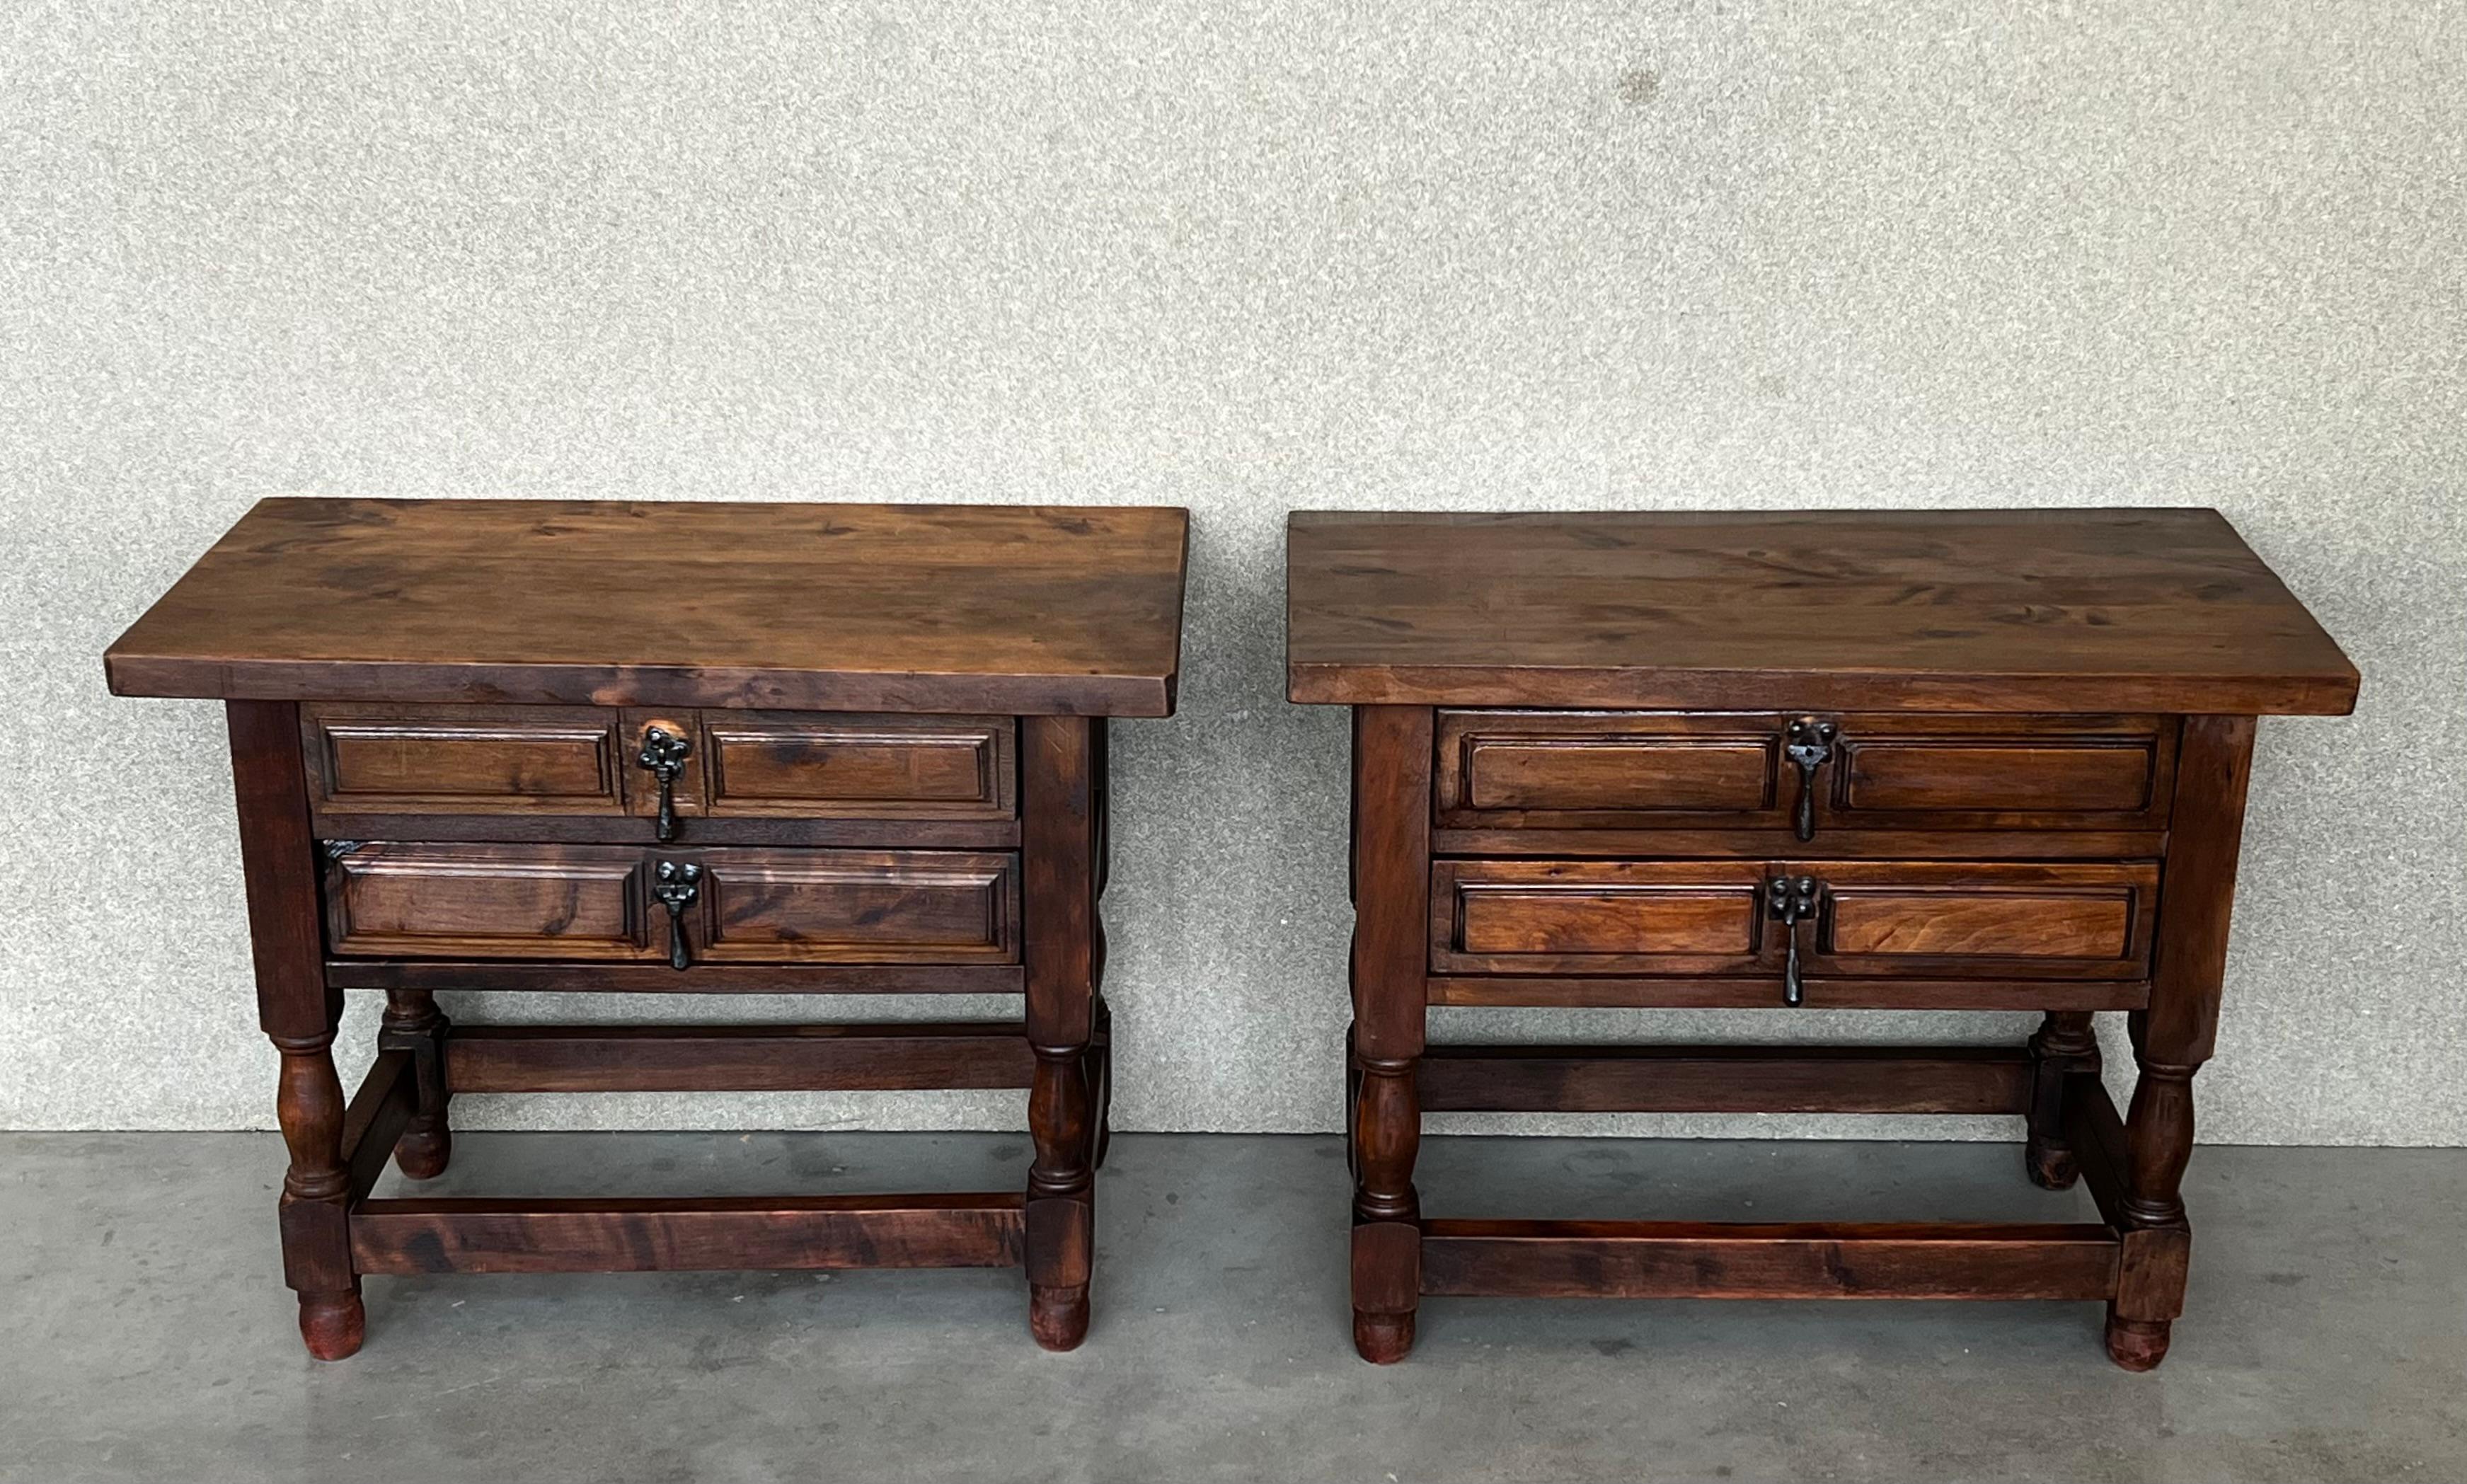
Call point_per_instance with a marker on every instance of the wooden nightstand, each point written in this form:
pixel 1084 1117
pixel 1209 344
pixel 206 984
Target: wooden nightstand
pixel 703 749
pixel 1947 760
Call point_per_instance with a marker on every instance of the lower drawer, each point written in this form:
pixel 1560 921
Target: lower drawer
pixel 2003 921
pixel 605 903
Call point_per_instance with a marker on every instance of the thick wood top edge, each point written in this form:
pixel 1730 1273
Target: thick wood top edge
pixel 226 630
pixel 1800 690
pixel 1026 694
pixel 821 510
pixel 1410 608
pixel 2033 515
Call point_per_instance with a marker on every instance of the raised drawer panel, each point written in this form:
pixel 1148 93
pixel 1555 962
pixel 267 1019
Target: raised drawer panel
pixel 2086 920
pixel 593 903
pixel 459 759
pixel 1987 920
pixel 1594 916
pixel 1638 768
pixel 857 906
pixel 1728 775
pixel 2000 772
pixel 579 902
pixel 795 764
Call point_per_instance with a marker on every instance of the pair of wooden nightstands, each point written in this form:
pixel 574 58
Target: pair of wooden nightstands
pixel 698 749
pixel 1955 761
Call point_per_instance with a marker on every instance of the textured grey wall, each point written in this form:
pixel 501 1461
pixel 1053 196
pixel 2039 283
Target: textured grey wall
pixel 1242 258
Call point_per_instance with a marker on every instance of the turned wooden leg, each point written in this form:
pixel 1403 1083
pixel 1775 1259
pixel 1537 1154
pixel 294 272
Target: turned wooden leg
pixel 1391 874
pixel 1059 826
pixel 315 1209
pixel 2065 1045
pixel 2176 1033
pixel 414 1023
pixel 1060 1198
pixel 1387 1211
pixel 2159 1146
pixel 280 862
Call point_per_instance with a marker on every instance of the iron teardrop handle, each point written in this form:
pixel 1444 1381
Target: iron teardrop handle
pixel 676 884
pixel 1791 900
pixel 1808 743
pixel 665 753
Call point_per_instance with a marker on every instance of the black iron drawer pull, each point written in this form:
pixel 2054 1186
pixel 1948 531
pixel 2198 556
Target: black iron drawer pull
pixel 676 884
pixel 1791 900
pixel 1809 744
pixel 665 753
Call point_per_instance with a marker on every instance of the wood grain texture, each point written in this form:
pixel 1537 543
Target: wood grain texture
pixel 807 765
pixel 1596 917
pixel 695 1234
pixel 1703 992
pixel 1061 858
pixel 299 1012
pixel 1727 771
pixel 702 979
pixel 1005 609
pixel 1725 1079
pixel 1594 768
pixel 1778 843
pixel 376 1116
pixel 694 828
pixel 1997 919
pixel 903 1056
pixel 591 903
pixel 1392 749
pixel 856 907
pixel 448 759
pixel 1609 1259
pixel 1939 610
pixel 455 901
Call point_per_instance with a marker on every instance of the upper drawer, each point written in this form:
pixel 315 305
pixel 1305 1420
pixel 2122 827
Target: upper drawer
pixel 1637 767
pixel 826 765
pixel 585 761
pixel 572 760
pixel 1701 771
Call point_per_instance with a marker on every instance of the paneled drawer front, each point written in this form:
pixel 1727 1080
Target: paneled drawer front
pixel 597 903
pixel 1956 919
pixel 1735 772
pixel 800 764
pixel 579 902
pixel 857 906
pixel 457 759
pixel 1596 916
pixel 1993 920
pixel 1893 772
pixel 380 762
pixel 1639 769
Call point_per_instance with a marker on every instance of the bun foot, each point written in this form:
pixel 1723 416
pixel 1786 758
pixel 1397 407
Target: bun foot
pixel 2136 1344
pixel 332 1324
pixel 1382 1338
pixel 1057 1316
pixel 2051 1166
pixel 422 1154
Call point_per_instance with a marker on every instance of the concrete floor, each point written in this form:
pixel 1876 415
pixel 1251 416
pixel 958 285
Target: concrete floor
pixel 146 1335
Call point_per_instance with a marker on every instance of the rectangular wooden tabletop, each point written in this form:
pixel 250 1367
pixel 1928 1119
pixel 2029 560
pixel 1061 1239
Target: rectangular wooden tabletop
pixel 829 607
pixel 1953 610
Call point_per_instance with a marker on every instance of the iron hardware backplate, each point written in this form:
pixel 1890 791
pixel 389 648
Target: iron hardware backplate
pixel 1791 900
pixel 665 753
pixel 676 884
pixel 1808 743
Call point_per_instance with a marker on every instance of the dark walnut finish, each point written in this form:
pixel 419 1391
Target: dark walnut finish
pixel 1960 760
pixel 714 750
